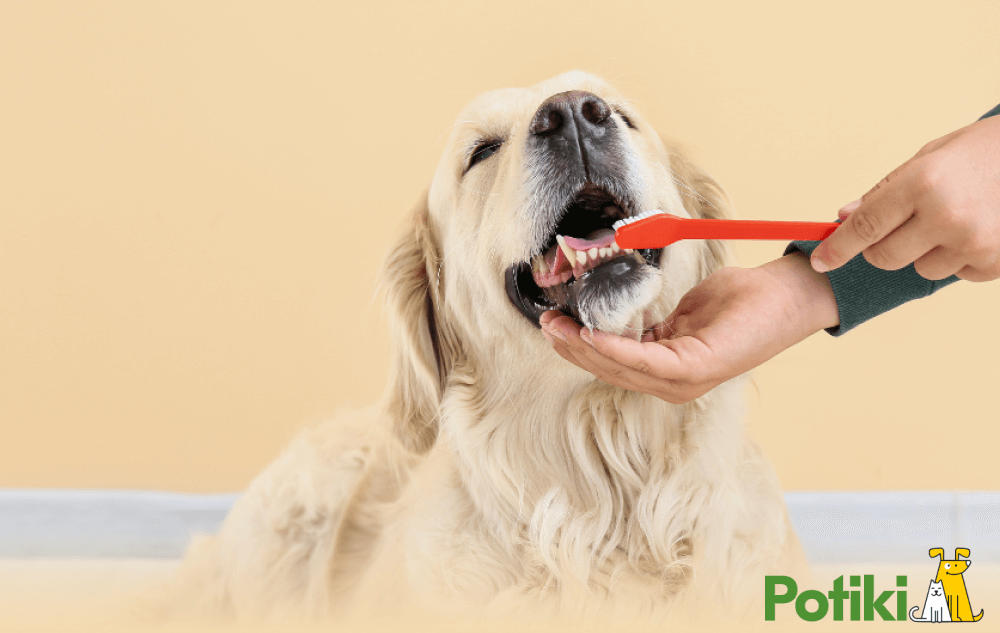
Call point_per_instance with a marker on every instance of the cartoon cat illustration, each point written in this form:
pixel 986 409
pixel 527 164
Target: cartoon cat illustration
pixel 935 606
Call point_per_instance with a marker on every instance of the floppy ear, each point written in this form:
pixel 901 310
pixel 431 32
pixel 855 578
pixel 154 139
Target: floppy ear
pixel 961 551
pixel 703 197
pixel 422 345
pixel 937 551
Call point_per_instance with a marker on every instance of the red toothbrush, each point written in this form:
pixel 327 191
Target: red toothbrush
pixel 656 229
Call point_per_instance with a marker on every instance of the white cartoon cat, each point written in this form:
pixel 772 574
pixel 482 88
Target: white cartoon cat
pixel 935 606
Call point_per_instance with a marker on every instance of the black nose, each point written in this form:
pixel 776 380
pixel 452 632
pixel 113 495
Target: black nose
pixel 559 112
pixel 575 134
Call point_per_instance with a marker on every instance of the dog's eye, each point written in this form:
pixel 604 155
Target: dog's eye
pixel 625 118
pixel 483 151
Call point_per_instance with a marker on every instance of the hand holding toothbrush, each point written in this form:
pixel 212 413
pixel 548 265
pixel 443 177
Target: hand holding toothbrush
pixel 939 211
pixel 728 324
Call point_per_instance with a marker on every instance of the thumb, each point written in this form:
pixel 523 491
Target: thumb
pixel 880 212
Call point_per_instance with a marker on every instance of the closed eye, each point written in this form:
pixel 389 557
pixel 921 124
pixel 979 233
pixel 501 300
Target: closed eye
pixel 482 151
pixel 625 119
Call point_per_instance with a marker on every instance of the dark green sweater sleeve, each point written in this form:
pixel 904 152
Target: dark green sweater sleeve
pixel 863 291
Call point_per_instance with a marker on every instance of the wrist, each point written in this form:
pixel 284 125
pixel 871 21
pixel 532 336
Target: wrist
pixel 809 293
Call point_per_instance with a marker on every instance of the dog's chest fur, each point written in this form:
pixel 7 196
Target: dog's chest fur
pixel 597 495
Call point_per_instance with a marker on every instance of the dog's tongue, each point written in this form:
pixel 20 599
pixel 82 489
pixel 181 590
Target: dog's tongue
pixel 556 259
pixel 598 239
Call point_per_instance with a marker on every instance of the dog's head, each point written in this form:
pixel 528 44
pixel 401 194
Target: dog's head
pixel 518 220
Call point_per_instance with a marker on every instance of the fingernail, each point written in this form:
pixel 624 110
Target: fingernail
pixel 851 206
pixel 558 333
pixel 819 265
pixel 585 335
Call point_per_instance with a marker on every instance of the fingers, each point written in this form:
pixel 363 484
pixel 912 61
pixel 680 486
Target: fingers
pixel 848 209
pixel 674 371
pixel 939 263
pixel 583 355
pixel 882 212
pixel 657 360
pixel 879 213
pixel 903 246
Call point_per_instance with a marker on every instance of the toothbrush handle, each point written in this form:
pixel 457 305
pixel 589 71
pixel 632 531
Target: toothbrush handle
pixel 664 230
pixel 754 229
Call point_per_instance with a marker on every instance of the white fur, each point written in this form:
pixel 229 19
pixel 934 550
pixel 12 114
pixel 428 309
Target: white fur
pixel 503 478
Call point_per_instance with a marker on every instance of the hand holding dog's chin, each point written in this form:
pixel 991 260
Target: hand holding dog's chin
pixel 730 323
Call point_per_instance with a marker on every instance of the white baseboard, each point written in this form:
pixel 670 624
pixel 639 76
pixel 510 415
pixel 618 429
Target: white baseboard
pixel 834 527
pixel 105 523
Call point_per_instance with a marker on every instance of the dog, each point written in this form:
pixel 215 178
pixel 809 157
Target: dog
pixel 949 574
pixel 935 605
pixel 495 477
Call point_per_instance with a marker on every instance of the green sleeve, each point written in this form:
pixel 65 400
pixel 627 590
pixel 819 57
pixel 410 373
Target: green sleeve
pixel 863 291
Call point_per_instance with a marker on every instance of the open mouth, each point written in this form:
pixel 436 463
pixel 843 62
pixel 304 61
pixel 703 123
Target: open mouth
pixel 580 249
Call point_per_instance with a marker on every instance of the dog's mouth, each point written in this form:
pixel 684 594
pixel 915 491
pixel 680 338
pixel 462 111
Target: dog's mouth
pixel 580 248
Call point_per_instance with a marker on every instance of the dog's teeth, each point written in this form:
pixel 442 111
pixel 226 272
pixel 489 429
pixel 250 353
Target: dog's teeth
pixel 615 248
pixel 538 264
pixel 569 252
pixel 592 253
pixel 581 256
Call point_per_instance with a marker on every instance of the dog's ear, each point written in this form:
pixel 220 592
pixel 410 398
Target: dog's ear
pixel 703 197
pixel 937 551
pixel 963 552
pixel 422 344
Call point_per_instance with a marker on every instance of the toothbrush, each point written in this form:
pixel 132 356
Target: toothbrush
pixel 656 229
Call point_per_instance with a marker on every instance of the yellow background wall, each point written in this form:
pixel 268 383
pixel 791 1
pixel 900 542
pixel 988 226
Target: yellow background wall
pixel 194 196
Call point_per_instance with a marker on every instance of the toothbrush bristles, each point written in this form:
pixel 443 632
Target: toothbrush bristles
pixel 640 216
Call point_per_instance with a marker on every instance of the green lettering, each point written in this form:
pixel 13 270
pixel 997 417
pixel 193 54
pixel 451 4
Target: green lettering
pixel 838 595
pixel 821 605
pixel 855 599
pixel 900 598
pixel 872 605
pixel 771 598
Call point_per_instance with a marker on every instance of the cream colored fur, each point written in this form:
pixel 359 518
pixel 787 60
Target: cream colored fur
pixel 495 477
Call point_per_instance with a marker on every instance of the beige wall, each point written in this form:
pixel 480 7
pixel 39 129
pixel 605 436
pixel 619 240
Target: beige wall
pixel 193 198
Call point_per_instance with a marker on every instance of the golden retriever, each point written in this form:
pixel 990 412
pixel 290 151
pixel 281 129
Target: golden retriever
pixel 496 477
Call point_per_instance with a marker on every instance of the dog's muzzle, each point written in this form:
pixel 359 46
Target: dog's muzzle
pixel 575 148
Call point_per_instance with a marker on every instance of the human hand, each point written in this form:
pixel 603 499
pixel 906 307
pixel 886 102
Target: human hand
pixel 939 211
pixel 728 324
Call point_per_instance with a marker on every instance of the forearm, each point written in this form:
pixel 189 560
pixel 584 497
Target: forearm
pixel 812 304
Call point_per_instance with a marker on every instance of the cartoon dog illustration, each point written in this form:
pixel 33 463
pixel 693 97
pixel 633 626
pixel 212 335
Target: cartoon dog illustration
pixel 935 606
pixel 950 576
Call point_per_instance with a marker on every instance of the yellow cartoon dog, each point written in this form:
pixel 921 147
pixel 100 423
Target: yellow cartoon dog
pixel 950 575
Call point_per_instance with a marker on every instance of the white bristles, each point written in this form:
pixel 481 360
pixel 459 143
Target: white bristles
pixel 641 216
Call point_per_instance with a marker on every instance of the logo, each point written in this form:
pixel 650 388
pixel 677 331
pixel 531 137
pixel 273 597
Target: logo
pixel 947 596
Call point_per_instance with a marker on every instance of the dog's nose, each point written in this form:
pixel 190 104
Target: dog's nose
pixel 559 113
pixel 575 134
